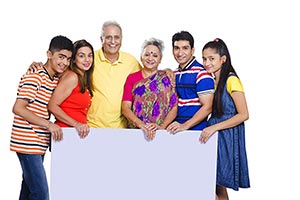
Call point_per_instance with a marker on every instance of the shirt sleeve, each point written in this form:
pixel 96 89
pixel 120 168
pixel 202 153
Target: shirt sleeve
pixel 127 93
pixel 29 86
pixel 205 83
pixel 234 84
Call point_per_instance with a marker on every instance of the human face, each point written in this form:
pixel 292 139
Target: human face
pixel 212 61
pixel 59 61
pixel 84 58
pixel 111 40
pixel 182 52
pixel 151 57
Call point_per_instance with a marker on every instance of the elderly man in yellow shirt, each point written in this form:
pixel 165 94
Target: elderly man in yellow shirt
pixel 112 67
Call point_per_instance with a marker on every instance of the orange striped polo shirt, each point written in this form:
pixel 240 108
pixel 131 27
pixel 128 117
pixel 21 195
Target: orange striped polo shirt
pixel 30 138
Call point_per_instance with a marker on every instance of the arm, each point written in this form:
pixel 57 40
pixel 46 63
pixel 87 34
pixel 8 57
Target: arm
pixel 34 67
pixel 200 115
pixel 63 90
pixel 171 76
pixel 20 108
pixel 149 128
pixel 241 116
pixel 170 117
pixel 130 116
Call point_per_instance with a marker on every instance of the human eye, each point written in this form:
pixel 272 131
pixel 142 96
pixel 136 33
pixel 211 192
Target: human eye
pixel 61 56
pixel 109 37
pixel 186 47
pixel 81 55
pixel 117 37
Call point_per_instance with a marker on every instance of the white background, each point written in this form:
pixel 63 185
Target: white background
pixel 263 39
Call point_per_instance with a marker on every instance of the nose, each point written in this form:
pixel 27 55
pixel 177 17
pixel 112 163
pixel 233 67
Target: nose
pixel 114 39
pixel 88 58
pixel 180 52
pixel 151 57
pixel 66 61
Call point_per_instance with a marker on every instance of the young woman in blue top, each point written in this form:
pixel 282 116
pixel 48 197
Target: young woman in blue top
pixel 227 118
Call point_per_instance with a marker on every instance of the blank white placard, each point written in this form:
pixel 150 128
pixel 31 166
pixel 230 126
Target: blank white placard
pixel 120 164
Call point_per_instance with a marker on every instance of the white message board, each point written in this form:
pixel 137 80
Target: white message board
pixel 120 164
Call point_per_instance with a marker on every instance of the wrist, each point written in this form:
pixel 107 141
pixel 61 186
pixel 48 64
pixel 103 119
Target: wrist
pixel 76 123
pixel 48 125
pixel 135 122
pixel 140 124
pixel 162 126
pixel 184 127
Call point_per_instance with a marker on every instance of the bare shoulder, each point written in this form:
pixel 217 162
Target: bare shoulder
pixel 70 78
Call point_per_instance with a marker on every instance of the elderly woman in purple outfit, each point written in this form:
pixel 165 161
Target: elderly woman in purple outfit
pixel 149 99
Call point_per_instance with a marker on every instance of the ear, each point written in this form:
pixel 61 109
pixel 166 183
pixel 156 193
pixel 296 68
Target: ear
pixel 193 50
pixel 223 59
pixel 49 54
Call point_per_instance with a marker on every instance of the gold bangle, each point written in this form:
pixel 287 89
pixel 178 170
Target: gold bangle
pixel 134 122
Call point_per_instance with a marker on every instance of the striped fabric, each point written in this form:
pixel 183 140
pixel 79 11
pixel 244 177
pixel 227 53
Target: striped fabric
pixel 29 138
pixel 191 82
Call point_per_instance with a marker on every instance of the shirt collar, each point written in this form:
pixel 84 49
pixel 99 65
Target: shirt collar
pixel 187 66
pixel 103 58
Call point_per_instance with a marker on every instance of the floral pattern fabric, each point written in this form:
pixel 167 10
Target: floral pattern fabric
pixel 153 98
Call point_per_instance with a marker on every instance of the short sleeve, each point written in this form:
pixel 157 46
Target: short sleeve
pixel 128 86
pixel 205 83
pixel 234 84
pixel 29 86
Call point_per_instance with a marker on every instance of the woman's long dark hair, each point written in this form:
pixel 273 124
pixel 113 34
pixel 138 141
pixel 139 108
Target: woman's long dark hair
pixel 85 81
pixel 227 68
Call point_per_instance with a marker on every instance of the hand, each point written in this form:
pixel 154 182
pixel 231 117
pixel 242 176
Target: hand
pixel 149 129
pixel 171 76
pixel 150 135
pixel 34 67
pixel 82 129
pixel 55 131
pixel 175 127
pixel 206 134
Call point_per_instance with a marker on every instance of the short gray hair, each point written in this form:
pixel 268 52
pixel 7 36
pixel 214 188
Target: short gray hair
pixel 156 42
pixel 110 23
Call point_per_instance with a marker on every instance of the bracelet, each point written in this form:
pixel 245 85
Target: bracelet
pixel 134 122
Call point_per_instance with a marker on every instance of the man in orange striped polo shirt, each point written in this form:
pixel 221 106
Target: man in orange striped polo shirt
pixel 31 126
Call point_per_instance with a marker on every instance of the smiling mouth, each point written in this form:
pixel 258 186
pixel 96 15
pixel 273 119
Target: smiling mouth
pixel 62 67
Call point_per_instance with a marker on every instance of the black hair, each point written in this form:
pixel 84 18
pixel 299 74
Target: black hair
pixel 59 43
pixel 183 35
pixel 227 68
